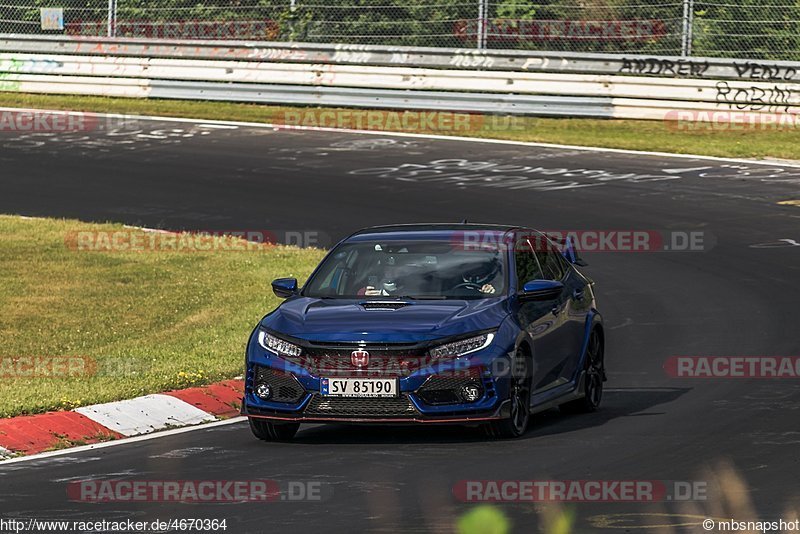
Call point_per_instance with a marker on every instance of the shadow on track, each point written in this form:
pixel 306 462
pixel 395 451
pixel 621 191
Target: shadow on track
pixel 619 402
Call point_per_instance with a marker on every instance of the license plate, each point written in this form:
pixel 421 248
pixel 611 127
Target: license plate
pixel 359 387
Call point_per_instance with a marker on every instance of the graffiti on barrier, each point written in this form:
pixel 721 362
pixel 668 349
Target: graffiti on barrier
pixel 775 98
pixel 761 71
pixel 664 67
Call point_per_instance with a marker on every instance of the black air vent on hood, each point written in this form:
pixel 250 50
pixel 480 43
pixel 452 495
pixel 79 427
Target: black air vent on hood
pixel 381 305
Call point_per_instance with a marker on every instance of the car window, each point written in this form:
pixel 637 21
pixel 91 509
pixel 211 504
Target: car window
pixel 527 265
pixel 550 259
pixel 565 264
pixel 338 275
pixel 412 269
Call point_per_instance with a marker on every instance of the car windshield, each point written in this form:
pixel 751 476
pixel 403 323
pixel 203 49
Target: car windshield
pixel 423 269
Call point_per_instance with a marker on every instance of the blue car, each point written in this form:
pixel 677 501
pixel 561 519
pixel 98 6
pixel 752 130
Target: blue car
pixel 459 324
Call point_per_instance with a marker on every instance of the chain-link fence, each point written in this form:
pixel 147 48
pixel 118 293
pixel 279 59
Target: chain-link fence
pixel 758 29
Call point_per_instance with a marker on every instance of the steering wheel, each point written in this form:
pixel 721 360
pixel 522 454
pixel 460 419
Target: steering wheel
pixel 468 285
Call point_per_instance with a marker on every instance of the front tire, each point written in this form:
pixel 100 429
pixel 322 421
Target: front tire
pixel 520 398
pixel 595 375
pixel 266 431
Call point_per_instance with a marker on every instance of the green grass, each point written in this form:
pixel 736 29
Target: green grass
pixel 628 134
pixel 149 320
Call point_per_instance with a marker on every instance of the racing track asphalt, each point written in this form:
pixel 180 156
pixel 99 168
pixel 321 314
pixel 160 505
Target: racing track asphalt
pixel 732 299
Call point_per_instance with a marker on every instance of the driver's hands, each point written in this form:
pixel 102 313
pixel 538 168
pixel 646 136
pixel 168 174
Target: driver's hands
pixel 487 288
pixel 372 292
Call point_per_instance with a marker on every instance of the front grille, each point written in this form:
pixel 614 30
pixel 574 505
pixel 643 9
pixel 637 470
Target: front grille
pixel 384 360
pixel 360 407
pixel 446 388
pixel 285 388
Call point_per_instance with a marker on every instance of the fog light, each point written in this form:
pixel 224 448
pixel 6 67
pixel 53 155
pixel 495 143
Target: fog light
pixel 263 391
pixel 471 393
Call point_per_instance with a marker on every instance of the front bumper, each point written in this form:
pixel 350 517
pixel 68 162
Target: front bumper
pixel 431 396
pixel 502 412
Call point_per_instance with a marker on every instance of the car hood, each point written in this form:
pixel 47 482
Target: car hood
pixel 359 320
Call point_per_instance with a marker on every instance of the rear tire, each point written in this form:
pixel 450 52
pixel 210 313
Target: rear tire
pixel 594 378
pixel 266 431
pixel 520 398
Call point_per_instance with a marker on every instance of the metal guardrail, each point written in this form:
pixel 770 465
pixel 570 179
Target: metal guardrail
pixel 401 78
pixel 442 58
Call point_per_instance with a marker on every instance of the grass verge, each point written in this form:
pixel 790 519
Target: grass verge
pixel 628 134
pixel 139 322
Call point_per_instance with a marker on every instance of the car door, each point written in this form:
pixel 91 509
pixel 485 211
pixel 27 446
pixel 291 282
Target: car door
pixel 539 320
pixel 573 308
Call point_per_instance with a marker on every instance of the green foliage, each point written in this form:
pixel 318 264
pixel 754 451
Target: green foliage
pixel 293 24
pixel 758 29
pixel 483 519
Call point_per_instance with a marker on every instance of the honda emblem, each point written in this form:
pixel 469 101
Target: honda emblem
pixel 359 358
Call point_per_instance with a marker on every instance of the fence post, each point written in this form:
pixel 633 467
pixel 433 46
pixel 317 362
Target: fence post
pixel 111 30
pixel 482 13
pixel 688 23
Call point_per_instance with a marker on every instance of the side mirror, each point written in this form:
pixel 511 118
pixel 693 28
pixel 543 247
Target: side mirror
pixel 542 289
pixel 284 287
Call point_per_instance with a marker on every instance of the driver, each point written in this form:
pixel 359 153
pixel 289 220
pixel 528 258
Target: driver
pixel 482 276
pixel 385 286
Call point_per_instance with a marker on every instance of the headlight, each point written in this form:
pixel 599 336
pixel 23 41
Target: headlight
pixel 460 348
pixel 277 345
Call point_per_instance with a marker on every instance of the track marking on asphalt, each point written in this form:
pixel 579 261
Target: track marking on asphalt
pixel 643 390
pixel 679 171
pixel 261 125
pixel 627 322
pixel 625 520
pixel 184 453
pixel 790 203
pixel 780 243
pixel 125 441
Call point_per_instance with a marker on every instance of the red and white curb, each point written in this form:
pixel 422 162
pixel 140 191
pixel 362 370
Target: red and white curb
pixel 145 414
pixel 32 434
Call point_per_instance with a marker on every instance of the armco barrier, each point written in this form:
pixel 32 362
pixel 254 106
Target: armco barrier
pixel 548 84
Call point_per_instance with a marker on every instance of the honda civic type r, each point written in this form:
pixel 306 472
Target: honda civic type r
pixel 460 324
